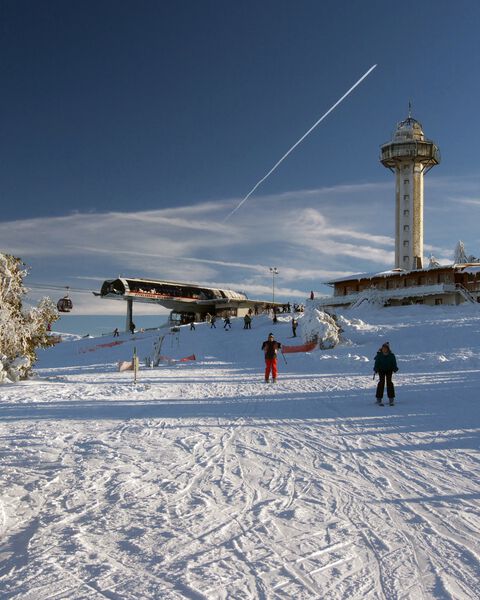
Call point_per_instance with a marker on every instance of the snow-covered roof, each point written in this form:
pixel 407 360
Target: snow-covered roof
pixel 358 276
pixel 465 267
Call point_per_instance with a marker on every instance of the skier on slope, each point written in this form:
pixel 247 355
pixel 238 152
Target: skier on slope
pixel 270 348
pixel 294 327
pixel 385 365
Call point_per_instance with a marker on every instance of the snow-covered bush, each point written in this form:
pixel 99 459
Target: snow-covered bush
pixel 21 332
pixel 460 255
pixel 321 327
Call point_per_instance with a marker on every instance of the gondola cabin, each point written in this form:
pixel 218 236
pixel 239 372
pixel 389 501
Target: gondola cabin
pixel 64 305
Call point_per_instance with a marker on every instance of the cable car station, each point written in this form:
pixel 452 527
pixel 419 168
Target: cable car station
pixel 186 301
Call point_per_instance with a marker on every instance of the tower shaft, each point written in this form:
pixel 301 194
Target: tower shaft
pixel 409 216
pixel 409 155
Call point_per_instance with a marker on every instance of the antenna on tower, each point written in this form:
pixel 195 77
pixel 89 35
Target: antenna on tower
pixel 409 109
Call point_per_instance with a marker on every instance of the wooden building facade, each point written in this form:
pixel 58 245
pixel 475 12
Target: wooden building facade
pixel 445 284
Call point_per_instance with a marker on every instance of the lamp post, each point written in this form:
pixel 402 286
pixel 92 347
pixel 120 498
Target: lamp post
pixel 273 271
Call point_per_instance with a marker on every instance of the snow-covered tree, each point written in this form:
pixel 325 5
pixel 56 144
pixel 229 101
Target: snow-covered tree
pixel 433 262
pixel 459 254
pixel 321 327
pixel 21 331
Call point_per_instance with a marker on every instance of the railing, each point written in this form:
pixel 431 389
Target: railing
pixel 465 293
pixel 380 296
pixel 425 153
pixel 371 295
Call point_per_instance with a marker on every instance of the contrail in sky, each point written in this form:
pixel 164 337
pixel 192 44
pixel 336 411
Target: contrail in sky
pixel 276 165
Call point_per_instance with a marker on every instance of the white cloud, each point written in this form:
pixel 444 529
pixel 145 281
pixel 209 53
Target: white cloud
pixel 469 201
pixel 310 235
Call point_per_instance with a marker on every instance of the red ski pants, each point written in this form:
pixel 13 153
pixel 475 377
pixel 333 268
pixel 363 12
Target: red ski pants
pixel 270 365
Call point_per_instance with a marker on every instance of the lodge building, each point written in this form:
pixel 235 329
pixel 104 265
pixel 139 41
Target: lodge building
pixel 444 284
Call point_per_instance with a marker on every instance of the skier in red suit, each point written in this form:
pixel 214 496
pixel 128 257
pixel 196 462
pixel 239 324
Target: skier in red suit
pixel 270 347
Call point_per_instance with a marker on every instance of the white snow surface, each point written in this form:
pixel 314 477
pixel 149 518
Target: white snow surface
pixel 204 482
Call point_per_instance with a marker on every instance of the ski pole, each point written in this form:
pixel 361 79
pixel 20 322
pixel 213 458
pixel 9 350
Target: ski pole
pixel 284 358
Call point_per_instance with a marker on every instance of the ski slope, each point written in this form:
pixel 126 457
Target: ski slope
pixel 203 482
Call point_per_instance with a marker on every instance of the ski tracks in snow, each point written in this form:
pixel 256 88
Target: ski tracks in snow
pixel 204 484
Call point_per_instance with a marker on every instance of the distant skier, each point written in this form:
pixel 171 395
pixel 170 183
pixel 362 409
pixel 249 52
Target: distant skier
pixel 132 327
pixel 247 322
pixel 212 322
pixel 227 323
pixel 270 348
pixel 294 327
pixel 192 324
pixel 116 333
pixel 312 295
pixel 385 365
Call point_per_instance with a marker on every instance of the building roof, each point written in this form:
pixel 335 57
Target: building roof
pixel 408 129
pixel 467 267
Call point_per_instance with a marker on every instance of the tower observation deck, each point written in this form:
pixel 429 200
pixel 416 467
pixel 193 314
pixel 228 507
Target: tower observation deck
pixel 410 156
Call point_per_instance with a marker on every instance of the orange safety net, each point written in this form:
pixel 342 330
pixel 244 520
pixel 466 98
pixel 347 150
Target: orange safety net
pixel 187 358
pixel 308 347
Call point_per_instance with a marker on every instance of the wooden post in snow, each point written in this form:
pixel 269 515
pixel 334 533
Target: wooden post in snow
pixel 135 365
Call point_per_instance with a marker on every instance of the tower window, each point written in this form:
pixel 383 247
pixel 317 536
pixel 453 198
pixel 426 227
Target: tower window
pixel 406 197
pixel 406 181
pixel 406 228
pixel 405 259
pixel 406 213
pixel 405 244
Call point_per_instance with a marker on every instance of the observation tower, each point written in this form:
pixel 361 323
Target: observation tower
pixel 409 155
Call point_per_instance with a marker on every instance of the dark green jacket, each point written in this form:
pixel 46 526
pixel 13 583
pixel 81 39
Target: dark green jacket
pixel 385 362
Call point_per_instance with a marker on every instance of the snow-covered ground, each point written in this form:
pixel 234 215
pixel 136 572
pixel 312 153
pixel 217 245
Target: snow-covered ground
pixel 203 482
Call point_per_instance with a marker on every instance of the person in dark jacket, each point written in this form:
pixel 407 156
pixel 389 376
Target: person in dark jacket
pixel 385 365
pixel 270 348
pixel 294 327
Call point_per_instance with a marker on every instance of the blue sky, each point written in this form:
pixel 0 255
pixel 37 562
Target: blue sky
pixel 129 130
